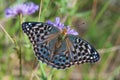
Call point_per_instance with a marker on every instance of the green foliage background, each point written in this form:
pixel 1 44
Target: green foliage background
pixel 101 29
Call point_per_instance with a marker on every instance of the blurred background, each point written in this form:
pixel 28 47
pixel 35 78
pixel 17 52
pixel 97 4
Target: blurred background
pixel 97 21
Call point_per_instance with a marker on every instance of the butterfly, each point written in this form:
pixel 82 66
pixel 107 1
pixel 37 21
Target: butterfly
pixel 56 48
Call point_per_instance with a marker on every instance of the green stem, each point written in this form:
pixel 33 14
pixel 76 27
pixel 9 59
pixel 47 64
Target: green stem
pixel 41 65
pixel 20 41
pixel 40 10
pixel 51 74
pixel 43 72
pixel 102 11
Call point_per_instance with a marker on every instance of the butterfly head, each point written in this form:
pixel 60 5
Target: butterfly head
pixel 64 31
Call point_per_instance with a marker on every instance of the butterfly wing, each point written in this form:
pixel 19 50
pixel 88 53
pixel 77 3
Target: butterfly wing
pixel 74 50
pixel 38 31
pixel 82 51
pixel 43 37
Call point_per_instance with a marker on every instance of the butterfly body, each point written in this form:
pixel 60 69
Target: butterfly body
pixel 56 48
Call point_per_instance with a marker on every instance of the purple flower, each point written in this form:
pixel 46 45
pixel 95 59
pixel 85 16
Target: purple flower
pixel 25 9
pixel 61 26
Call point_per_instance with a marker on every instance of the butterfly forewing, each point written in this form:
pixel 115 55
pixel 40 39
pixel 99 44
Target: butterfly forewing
pixel 40 35
pixel 82 51
pixel 38 31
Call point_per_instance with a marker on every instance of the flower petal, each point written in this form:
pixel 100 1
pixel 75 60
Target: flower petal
pixel 61 26
pixel 25 9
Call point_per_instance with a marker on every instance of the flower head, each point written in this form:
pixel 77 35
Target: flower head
pixel 61 26
pixel 25 9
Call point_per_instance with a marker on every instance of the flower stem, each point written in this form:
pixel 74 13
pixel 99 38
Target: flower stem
pixel 43 72
pixel 40 10
pixel 41 65
pixel 20 46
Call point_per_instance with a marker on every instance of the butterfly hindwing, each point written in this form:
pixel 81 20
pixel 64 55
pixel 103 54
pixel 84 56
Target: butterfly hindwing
pixel 60 59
